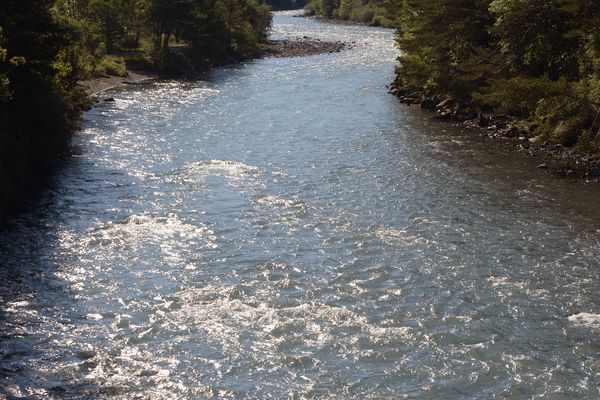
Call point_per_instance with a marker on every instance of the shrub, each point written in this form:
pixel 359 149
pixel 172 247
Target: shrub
pixel 521 96
pixel 112 66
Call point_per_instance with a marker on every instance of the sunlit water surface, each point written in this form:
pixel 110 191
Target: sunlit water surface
pixel 286 229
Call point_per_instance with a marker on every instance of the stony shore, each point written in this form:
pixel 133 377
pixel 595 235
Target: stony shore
pixel 274 49
pixel 557 159
pixel 97 85
pixel 302 47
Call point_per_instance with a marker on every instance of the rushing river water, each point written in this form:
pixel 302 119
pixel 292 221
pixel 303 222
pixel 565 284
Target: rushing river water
pixel 287 229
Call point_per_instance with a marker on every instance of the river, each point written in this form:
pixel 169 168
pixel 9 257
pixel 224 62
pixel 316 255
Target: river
pixel 284 228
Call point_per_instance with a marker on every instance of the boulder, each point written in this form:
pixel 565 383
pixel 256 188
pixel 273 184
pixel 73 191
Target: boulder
pixel 428 103
pixel 511 132
pixel 448 103
pixel 485 120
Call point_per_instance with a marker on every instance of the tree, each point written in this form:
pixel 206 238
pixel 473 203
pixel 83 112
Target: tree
pixel 441 41
pixel 167 18
pixel 534 37
pixel 31 139
pixel 108 14
pixel 538 60
pixel 4 82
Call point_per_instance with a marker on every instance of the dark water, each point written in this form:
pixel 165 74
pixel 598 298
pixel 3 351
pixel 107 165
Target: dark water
pixel 286 229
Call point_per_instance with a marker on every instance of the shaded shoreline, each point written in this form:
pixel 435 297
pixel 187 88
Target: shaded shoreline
pixel 303 47
pixel 557 159
pixel 96 86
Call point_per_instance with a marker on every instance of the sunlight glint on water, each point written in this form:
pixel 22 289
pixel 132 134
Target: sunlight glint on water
pixel 286 229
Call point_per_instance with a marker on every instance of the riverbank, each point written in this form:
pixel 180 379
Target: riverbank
pixel 358 14
pixel 97 85
pixel 557 159
pixel 303 47
pixel 25 169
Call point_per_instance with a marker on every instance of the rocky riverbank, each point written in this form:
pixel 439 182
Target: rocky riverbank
pixel 97 85
pixel 558 159
pixel 277 49
pixel 302 47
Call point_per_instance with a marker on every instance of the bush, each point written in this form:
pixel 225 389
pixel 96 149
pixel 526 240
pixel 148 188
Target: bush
pixel 112 66
pixel 363 14
pixel 346 8
pixel 521 96
pixel 554 112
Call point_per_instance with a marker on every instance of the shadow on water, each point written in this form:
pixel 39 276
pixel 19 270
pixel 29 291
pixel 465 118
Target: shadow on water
pixel 466 162
pixel 39 315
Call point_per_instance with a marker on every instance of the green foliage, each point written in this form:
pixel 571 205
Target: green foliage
pixel 4 82
pixel 84 48
pixel 533 34
pixel 39 106
pixel 106 14
pixel 364 13
pixel 521 96
pixel 327 7
pixel 538 60
pixel 346 8
pixel 173 33
pixel 278 5
pixel 441 41
pixel 372 12
pixel 112 66
pixel 47 46
pixel 214 30
pixel 324 8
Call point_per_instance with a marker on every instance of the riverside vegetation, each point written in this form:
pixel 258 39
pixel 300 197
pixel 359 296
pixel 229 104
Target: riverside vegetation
pixel 528 69
pixel 47 46
pixel 280 5
pixel 371 12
